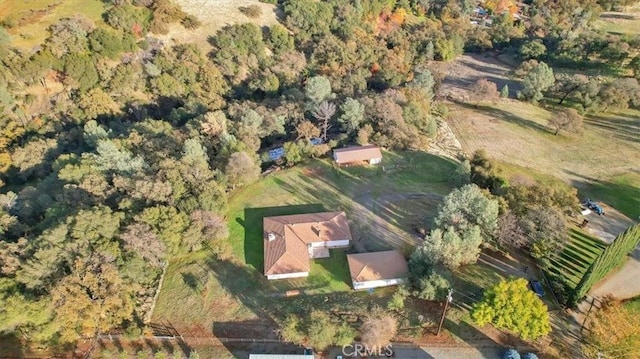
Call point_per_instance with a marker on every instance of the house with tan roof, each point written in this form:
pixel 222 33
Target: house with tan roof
pixel 290 241
pixel 369 153
pixel 377 269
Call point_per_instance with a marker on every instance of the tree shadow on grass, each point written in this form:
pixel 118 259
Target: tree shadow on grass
pixel 622 195
pixel 253 232
pixel 504 115
pixel 191 280
pixel 624 128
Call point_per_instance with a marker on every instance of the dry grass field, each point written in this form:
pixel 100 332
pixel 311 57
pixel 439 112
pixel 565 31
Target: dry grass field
pixel 214 15
pixel 627 22
pixel 601 161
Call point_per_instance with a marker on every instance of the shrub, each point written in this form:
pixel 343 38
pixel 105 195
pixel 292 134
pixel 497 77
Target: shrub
pixel 252 11
pixel 190 22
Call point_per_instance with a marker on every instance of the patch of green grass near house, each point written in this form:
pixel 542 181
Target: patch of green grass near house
pixel 38 15
pixel 192 293
pixel 327 275
pixel 576 257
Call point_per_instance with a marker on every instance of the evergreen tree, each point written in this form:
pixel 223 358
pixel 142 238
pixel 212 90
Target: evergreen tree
pixel 504 92
pixel 614 255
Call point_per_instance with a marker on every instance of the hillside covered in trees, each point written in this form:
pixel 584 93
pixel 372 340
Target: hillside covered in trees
pixel 118 152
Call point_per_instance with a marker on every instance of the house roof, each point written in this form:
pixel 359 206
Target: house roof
pixel 377 266
pixel 287 251
pixel 356 153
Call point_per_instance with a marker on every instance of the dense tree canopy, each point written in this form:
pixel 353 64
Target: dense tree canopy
pixel 118 150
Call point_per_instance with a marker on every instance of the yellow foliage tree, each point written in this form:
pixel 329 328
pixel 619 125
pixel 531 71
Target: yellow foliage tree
pixel 614 331
pixel 510 305
pixel 92 300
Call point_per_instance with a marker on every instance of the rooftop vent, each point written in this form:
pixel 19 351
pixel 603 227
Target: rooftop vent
pixel 271 236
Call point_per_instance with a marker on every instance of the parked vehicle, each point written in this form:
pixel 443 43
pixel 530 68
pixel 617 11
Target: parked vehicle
pixel 537 288
pixel 594 206
pixel 511 354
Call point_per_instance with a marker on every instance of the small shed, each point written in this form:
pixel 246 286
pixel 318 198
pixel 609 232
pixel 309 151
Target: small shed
pixel 377 269
pixel 369 153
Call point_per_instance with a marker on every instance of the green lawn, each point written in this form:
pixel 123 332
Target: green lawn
pixel 470 281
pixel 628 26
pixel 576 257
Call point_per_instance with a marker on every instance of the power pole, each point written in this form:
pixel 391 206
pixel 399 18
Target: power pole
pixel 444 312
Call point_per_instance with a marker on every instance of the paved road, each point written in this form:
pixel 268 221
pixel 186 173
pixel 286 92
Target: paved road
pixel 493 352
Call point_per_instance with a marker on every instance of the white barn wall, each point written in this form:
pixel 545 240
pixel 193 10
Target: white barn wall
pixel 288 275
pixel 331 244
pixel 377 283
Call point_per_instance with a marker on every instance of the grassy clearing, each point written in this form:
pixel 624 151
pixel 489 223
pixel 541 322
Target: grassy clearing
pixel 34 17
pixel 203 294
pixel 576 257
pixel 470 281
pixel 625 25
pixel 214 15
pixel 516 133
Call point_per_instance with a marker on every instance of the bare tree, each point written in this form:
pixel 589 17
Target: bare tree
pixel 510 233
pixel 484 90
pixel 241 169
pixel 213 226
pixel 378 328
pixel 566 120
pixel 141 239
pixel 323 113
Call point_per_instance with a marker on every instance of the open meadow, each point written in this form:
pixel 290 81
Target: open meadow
pixel 601 161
